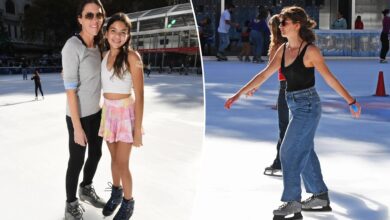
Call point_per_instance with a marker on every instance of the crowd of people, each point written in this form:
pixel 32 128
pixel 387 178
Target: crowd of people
pixel 254 33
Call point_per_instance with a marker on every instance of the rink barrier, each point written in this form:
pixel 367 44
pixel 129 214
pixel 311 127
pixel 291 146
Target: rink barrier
pixel 29 70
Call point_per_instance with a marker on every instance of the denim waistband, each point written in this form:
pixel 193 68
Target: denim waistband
pixel 304 92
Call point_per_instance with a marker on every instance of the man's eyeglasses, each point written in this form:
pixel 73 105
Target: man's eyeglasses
pixel 90 16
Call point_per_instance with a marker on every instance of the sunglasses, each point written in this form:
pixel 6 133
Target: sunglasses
pixel 284 22
pixel 90 16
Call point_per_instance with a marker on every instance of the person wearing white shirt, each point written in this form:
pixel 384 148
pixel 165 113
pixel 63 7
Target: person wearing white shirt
pixel 223 30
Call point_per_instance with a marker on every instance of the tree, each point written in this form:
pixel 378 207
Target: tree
pixel 4 40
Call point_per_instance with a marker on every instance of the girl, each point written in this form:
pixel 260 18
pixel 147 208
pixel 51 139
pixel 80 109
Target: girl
pixel 276 41
pixel 37 81
pixel 297 59
pixel 120 127
pixel 81 60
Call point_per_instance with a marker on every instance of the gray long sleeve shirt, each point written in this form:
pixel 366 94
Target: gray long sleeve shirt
pixel 81 72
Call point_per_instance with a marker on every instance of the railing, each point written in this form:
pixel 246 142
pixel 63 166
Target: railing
pixel 29 70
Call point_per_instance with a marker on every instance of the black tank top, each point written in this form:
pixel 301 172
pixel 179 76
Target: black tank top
pixel 298 76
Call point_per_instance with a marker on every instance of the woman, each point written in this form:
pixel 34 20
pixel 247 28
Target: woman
pixel 385 35
pixel 276 41
pixel 37 82
pixel 121 124
pixel 359 23
pixel 297 59
pixel 81 58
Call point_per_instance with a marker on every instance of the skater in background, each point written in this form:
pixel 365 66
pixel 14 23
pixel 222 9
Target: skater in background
pixel 385 35
pixel 246 46
pixel 297 59
pixel 223 31
pixel 120 127
pixel 276 41
pixel 81 61
pixel 37 82
pixel 148 69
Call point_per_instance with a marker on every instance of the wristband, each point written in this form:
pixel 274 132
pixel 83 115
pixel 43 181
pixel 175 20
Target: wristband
pixel 352 103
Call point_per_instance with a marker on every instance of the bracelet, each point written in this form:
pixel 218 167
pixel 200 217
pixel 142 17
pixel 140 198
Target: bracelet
pixel 352 103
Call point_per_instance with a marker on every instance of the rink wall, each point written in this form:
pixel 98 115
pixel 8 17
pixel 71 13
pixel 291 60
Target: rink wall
pixel 354 43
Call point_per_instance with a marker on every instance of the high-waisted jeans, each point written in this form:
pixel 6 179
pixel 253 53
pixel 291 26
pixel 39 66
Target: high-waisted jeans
pixel 297 151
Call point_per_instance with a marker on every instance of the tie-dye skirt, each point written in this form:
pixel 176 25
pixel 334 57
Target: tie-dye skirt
pixel 117 123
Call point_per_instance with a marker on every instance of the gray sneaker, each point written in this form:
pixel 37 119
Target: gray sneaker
pixel 318 202
pixel 288 209
pixel 87 193
pixel 74 211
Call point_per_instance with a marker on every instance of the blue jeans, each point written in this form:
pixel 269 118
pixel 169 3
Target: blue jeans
pixel 223 42
pixel 256 38
pixel 297 151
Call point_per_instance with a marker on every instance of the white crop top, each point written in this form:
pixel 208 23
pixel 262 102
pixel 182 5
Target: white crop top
pixel 111 83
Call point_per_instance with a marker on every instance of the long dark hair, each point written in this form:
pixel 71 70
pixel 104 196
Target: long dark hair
pixel 299 15
pixel 98 39
pixel 276 35
pixel 121 58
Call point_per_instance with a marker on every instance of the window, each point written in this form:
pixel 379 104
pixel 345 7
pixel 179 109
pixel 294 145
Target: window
pixel 9 7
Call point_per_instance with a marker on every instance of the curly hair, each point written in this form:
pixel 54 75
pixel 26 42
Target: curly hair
pixel 299 15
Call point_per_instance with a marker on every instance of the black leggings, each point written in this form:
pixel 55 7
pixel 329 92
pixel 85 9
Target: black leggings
pixel 38 86
pixel 385 45
pixel 90 125
pixel 283 117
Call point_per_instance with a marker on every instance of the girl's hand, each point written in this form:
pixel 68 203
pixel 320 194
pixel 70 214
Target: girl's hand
pixel 79 137
pixel 229 102
pixel 355 109
pixel 137 142
pixel 251 92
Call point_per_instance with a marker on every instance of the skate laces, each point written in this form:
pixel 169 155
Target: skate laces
pixel 284 205
pixel 92 193
pixel 109 188
pixel 76 210
pixel 312 198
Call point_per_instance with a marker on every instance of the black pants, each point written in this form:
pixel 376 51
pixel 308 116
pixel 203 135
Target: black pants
pixel 90 125
pixel 38 86
pixel 385 45
pixel 283 117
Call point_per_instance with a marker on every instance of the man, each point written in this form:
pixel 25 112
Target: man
pixel 223 30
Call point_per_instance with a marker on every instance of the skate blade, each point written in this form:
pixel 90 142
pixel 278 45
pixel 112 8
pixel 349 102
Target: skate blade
pixel 273 173
pixel 320 209
pixel 296 216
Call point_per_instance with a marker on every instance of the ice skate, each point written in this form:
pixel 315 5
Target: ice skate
pixel 87 193
pixel 74 211
pixel 274 170
pixel 221 57
pixel 125 211
pixel 289 210
pixel 114 201
pixel 317 203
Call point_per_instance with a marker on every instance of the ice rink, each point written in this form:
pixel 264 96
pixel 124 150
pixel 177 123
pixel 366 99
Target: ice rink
pixel 34 150
pixel 241 142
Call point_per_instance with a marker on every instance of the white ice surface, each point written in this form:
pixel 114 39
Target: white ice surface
pixel 34 150
pixel 241 142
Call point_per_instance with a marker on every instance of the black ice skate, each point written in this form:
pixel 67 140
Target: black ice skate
pixel 114 201
pixel 274 170
pixel 125 211
pixel 317 203
pixel 87 193
pixel 289 210
pixel 221 57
